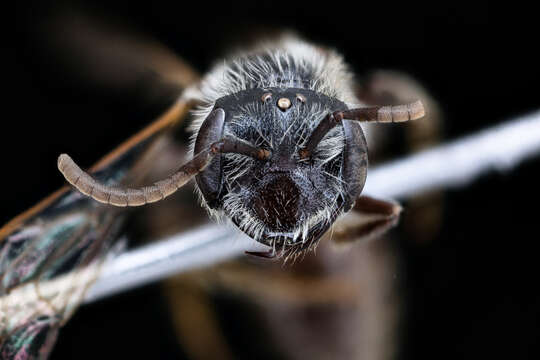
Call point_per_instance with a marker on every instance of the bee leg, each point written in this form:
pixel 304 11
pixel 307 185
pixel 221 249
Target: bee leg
pixel 270 254
pixel 369 218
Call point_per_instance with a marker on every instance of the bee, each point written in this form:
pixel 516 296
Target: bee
pixel 277 147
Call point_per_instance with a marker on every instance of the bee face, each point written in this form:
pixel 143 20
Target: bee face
pixel 284 200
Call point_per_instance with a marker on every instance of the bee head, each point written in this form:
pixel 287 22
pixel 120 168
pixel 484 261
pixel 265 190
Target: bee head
pixel 287 200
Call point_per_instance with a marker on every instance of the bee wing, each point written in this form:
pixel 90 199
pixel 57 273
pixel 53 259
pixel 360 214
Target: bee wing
pixel 51 254
pixel 104 53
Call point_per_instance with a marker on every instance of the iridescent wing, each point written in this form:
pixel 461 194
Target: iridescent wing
pixel 51 254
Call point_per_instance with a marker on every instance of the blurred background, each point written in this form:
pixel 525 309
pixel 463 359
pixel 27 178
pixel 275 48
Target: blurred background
pixel 461 284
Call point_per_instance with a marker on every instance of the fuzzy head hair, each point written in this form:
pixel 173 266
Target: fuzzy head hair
pixel 273 98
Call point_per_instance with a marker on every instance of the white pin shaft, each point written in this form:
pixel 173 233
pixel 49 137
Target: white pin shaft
pixel 459 162
pixel 450 165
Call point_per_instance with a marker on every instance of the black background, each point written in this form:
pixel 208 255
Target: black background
pixel 472 293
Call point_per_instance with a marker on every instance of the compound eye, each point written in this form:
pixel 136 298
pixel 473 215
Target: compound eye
pixel 209 180
pixel 355 161
pixel 266 97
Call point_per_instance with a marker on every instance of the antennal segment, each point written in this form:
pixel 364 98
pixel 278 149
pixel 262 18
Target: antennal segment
pixel 380 114
pixel 123 196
